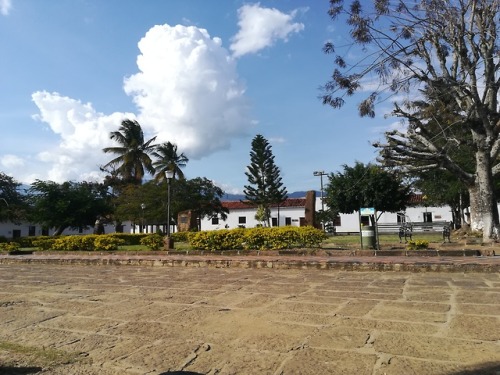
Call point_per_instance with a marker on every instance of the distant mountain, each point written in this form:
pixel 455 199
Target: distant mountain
pixel 238 197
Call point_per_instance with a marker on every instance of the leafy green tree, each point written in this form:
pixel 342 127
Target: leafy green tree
pixel 199 195
pixel 167 159
pixel 68 205
pixel 447 49
pixel 133 152
pixel 365 186
pixel 441 188
pixel 12 202
pixel 265 184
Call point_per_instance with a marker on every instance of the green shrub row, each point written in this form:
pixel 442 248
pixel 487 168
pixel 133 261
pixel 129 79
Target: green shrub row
pixel 181 236
pixel 9 246
pixel 417 245
pixel 257 238
pixel 153 241
pixel 89 242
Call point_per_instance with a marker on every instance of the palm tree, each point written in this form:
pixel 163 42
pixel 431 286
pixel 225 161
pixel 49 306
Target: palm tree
pixel 167 159
pixel 133 153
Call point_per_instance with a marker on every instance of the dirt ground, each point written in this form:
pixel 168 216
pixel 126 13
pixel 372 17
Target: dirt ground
pixel 72 319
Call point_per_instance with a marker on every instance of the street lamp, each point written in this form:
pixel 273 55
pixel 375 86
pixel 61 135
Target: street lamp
pixel 143 206
pixel 321 174
pixel 169 242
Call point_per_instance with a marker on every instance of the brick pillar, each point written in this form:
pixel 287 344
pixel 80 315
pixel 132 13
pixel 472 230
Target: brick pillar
pixel 310 208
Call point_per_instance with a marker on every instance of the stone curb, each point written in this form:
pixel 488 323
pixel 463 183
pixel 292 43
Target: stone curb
pixel 468 265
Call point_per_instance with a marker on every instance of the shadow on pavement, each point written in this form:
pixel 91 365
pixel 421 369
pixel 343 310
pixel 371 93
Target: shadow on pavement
pixel 19 370
pixel 490 368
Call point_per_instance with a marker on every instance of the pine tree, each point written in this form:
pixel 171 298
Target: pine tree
pixel 265 185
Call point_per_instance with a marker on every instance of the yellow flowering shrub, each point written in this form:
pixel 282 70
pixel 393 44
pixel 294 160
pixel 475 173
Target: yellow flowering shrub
pixel 9 246
pixel 153 241
pixel 258 238
pixel 107 243
pixel 417 245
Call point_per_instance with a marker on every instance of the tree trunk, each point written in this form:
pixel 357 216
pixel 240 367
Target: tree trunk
pixel 59 230
pixel 484 211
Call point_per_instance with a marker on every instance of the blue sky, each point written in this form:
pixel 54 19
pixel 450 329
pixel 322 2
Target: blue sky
pixel 207 75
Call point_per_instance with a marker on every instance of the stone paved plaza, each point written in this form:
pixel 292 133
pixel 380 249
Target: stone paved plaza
pixel 185 320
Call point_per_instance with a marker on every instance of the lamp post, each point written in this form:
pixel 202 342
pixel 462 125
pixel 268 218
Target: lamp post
pixel 143 206
pixel 321 174
pixel 169 242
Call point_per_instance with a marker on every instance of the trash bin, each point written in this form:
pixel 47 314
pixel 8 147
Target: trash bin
pixel 368 237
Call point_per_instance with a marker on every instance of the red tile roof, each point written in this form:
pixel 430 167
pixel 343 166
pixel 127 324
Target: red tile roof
pixel 238 205
pixel 417 198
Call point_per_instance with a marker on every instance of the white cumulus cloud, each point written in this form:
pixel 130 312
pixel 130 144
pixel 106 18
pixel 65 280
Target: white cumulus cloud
pixel 5 7
pixel 11 161
pixel 83 134
pixel 262 27
pixel 188 91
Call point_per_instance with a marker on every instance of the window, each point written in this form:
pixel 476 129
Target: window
pixel 274 221
pixel 215 220
pixel 242 220
pixel 288 221
pixel 427 217
pixel 337 221
pixel 401 218
pixel 31 230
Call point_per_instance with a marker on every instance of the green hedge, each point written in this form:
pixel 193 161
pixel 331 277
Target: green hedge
pixel 257 238
pixel 153 241
pixel 89 242
pixel 9 246
pixel 182 236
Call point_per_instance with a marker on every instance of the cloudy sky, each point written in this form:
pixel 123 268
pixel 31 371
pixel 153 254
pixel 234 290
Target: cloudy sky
pixel 207 75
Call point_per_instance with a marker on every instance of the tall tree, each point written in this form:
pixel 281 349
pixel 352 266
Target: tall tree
pixel 265 184
pixel 447 48
pixel 68 205
pixel 167 159
pixel 201 196
pixel 12 202
pixel 441 188
pixel 133 152
pixel 366 186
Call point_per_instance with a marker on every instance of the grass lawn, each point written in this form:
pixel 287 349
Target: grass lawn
pixel 384 239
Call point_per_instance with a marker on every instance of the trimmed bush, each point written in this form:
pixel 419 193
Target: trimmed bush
pixel 89 242
pixel 181 236
pixel 153 241
pixel 257 238
pixel 44 242
pixel 107 243
pixel 74 243
pixel 417 245
pixel 129 239
pixel 9 246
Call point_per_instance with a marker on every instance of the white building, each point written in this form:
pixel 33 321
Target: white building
pixel 293 211
pixel 11 230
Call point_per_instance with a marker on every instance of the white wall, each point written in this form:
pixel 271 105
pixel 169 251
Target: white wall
pixel 232 221
pixel 7 229
pixel 350 222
